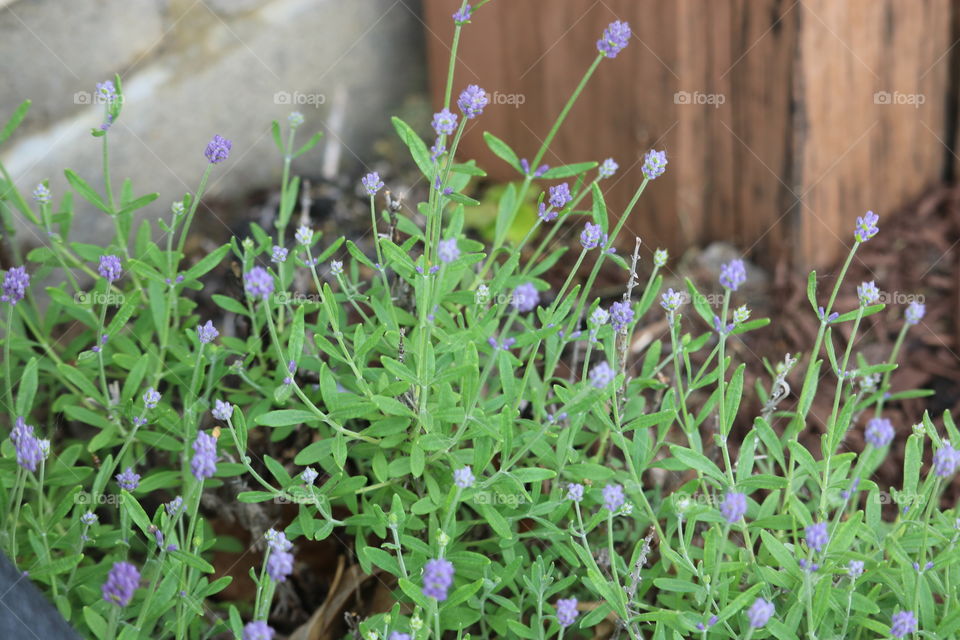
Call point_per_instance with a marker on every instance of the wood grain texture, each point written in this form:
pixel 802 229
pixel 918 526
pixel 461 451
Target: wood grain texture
pixel 797 147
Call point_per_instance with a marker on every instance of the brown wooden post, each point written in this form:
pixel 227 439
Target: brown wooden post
pixel 769 109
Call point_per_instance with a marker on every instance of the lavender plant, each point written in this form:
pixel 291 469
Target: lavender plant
pixel 493 451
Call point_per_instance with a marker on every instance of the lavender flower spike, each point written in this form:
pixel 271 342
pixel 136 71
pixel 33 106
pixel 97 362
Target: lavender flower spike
pixel 257 630
pixel 868 293
pixel 601 375
pixel 613 497
pixel 204 463
pixel 945 460
pixel 866 226
pixel 734 506
pixel 575 492
pixel 207 332
pixel 122 581
pixel 472 101
pixel 258 283
pixel 525 297
pixel 915 312
pixel 128 480
pixel 591 236
pixel 607 168
pixel 654 164
pixel 671 300
pixel 42 194
pixel 151 398
pixel 447 250
pixel 463 15
pixel 27 446
pixel 445 122
pixel 567 611
pixel 372 183
pixel 817 536
pixel 279 565
pixel 15 284
pixel 437 578
pixel 903 623
pixel 222 410
pixel 309 475
pixel 279 255
pixel 463 478
pixel 733 274
pixel 760 613
pixel 615 37
pixel 879 432
pixel 304 235
pixel 110 268
pixel 621 315
pixel 218 149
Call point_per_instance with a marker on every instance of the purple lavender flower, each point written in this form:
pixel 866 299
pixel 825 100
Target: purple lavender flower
pixel 575 492
pixel 504 345
pixel 89 518
pixel 879 432
pixel 615 37
pixel 174 507
pixel 866 226
pixel 396 635
pixel 128 479
pixel 671 300
pixel 660 257
pixel 42 194
pixel 902 624
pixel 915 312
pixel 621 314
pixel 447 250
pixel 279 565
pixel 444 122
pixel 654 164
pixel 472 101
pixel 601 375
pixel 151 398
pixel 733 274
pixel 567 611
pixel 741 314
pixel 304 235
pixel 463 478
pixel 122 581
pixel 463 15
pixel 295 119
pixel 437 578
pixel 599 317
pixel 277 540
pixel 607 168
pixel 207 332
pixel 734 506
pixel 710 622
pixel 613 497
pixel 855 569
pixel 110 268
pixel 218 149
pixel 106 92
pixel 868 293
pixel 309 475
pixel 945 460
pixel 525 297
pixel 846 493
pixel 279 255
pixel 372 183
pixel 817 536
pixel 15 284
pixel 560 195
pixel 760 613
pixel 222 410
pixel 591 236
pixel 257 630
pixel 258 282
pixel 29 449
pixel 204 463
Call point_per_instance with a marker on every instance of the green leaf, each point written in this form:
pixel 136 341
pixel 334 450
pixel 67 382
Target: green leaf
pixel 418 149
pixel 192 561
pixel 309 144
pixel 285 418
pixel 812 291
pixel 86 191
pixel 502 150
pixel 208 262
pixel 14 121
pixel 568 170
pixel 27 389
